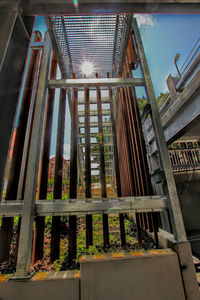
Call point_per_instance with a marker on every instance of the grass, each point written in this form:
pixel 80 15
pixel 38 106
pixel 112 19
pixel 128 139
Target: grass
pixel 97 248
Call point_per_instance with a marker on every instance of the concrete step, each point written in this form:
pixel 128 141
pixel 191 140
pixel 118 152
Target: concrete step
pixel 153 274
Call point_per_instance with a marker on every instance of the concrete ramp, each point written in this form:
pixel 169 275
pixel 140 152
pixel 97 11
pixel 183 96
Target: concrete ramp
pixel 137 275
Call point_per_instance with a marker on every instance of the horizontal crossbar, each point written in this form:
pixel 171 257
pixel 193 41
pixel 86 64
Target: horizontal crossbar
pixel 105 112
pixel 94 124
pixel 94 82
pixel 95 134
pixel 87 206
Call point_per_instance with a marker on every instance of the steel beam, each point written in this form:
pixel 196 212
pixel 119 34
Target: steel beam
pixel 43 182
pixel 89 235
pixel 102 165
pixel 27 102
pixel 105 112
pixel 143 6
pixel 56 47
pixel 91 82
pixel 73 173
pixel 95 124
pixel 56 222
pixel 96 144
pixel 116 160
pixel 11 208
pixel 96 134
pixel 26 232
pixel 26 116
pixel 61 207
pixel 94 100
pixel 179 230
pixel 93 206
pixel 128 30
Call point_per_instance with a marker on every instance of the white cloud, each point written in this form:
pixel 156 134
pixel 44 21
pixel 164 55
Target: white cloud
pixel 145 20
pixel 66 151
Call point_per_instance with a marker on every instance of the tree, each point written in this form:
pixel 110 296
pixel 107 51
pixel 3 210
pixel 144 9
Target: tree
pixel 160 100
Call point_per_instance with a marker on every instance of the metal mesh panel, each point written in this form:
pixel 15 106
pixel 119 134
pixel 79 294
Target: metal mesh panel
pixel 95 38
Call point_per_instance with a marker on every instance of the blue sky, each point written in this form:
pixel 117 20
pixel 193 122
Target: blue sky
pixel 163 36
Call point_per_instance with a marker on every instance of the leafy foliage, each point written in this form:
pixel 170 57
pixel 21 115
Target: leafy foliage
pixel 143 101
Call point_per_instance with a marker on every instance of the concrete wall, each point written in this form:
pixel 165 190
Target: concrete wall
pixel 188 187
pixel 40 290
pixel 150 277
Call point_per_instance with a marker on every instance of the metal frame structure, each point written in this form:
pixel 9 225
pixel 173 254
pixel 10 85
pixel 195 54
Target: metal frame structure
pixel 146 207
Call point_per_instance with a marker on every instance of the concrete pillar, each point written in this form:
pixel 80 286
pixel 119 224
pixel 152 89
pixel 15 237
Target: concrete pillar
pixel 171 83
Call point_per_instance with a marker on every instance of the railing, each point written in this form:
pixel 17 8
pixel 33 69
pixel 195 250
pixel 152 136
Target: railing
pixel 186 72
pixel 189 67
pixel 184 159
pixel 187 63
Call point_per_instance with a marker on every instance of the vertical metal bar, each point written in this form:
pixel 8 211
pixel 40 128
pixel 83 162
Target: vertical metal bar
pixel 73 172
pixel 128 147
pixel 135 124
pixel 114 47
pixel 139 140
pixel 26 232
pixel 89 237
pixel 40 221
pixel 28 125
pixel 131 146
pixel 178 230
pixel 128 30
pixel 128 150
pixel 138 224
pixel 102 166
pixel 11 192
pixel 56 220
pixel 12 60
pixel 112 116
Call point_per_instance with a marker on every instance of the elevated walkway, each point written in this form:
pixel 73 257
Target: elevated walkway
pixel 181 118
pixel 180 114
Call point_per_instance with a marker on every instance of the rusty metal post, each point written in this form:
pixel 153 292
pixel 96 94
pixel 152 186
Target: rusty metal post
pixel 40 221
pixel 136 137
pixel 131 145
pixel 89 237
pixel 127 153
pixel 102 166
pixel 73 172
pixel 6 231
pixel 131 162
pixel 135 124
pixel 56 221
pixel 112 116
pixel 13 56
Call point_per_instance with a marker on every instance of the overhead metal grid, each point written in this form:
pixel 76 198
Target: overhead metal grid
pixel 99 39
pixel 96 38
